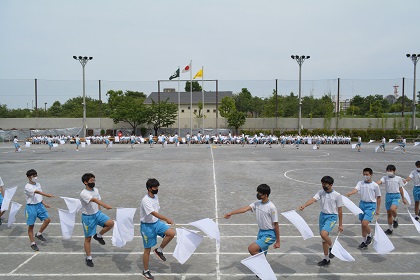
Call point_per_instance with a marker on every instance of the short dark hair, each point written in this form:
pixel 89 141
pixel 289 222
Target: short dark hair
pixel 418 163
pixel 87 176
pixel 327 179
pixel 264 189
pixel 152 182
pixel 391 167
pixel 31 172
pixel 367 169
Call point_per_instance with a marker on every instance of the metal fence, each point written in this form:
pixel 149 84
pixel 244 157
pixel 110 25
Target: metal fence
pixel 29 93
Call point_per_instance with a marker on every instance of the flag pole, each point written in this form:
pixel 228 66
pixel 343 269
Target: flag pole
pixel 179 101
pixel 191 126
pixel 202 92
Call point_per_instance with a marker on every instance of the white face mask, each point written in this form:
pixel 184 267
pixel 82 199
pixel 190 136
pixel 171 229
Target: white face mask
pixel 367 178
pixel 390 174
pixel 34 179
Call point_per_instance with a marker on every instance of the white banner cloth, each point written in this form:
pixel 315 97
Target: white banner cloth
pixel 381 242
pixel 299 223
pixel 186 243
pixel 12 214
pixel 123 230
pixel 73 204
pixel 341 253
pixel 260 266
pixel 67 221
pixel 209 227
pixel 351 206
pixel 8 195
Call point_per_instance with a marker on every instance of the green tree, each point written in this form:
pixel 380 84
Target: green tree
pixel 4 112
pixel 269 108
pixel 128 108
pixel 227 106
pixel 236 119
pixel 243 101
pixel 55 110
pixel 257 106
pixel 161 114
pixel 290 105
pixel 195 86
pixel 22 113
pixel 353 110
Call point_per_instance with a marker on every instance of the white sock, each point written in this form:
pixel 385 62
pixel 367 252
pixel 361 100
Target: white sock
pixel 33 243
pixel 99 235
pixel 326 257
pixel 39 233
pixel 390 227
pixel 145 271
pixel 89 257
pixel 370 235
pixel 395 219
pixel 159 250
pixel 364 239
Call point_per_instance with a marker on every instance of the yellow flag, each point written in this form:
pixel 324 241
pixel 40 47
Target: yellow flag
pixel 199 73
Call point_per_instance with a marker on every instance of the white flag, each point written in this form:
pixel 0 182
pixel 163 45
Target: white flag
pixel 381 242
pixel 371 141
pixel 55 145
pixel 67 221
pixel 376 149
pixel 88 142
pixel 340 252
pixel 407 196
pixel 12 214
pixel 416 143
pixel 299 223
pixel 1 182
pixel 351 206
pixel 396 147
pixel 83 144
pixel 27 144
pixel 8 195
pixel 73 204
pixel 209 227
pixel 123 231
pixel 259 265
pixel 416 223
pixel 62 142
pixel 186 243
pixel 353 146
pixel 390 140
pixel 314 147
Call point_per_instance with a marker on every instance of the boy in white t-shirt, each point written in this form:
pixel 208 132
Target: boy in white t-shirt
pixel 92 215
pixel 1 198
pixel 394 195
pixel 331 207
pixel 35 208
pixel 151 226
pixel 370 202
pixel 415 174
pixel 267 219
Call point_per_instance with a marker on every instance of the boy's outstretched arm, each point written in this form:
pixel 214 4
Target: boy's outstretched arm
pixel 101 203
pixel 238 211
pixel 307 203
pixel 161 217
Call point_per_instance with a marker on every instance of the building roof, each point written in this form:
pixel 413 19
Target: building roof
pixel 185 98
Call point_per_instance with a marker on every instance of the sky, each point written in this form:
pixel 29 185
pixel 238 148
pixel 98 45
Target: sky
pixel 234 40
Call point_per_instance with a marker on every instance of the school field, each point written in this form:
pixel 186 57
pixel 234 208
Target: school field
pixel 203 181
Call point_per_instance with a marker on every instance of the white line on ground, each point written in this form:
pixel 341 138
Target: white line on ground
pixel 217 215
pixel 22 264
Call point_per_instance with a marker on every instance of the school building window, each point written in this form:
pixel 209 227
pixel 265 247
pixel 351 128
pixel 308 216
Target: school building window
pixel 208 110
pixel 214 110
pixel 189 107
pixel 182 111
pixel 195 111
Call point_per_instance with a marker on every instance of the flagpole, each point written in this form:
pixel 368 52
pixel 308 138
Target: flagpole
pixel 191 126
pixel 179 101
pixel 202 93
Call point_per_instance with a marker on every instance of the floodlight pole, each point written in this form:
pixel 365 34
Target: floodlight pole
pixel 300 60
pixel 414 58
pixel 83 61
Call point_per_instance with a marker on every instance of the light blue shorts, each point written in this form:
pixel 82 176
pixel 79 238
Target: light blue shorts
pixel 33 211
pixel 1 199
pixel 90 222
pixel 369 209
pixel 416 193
pixel 265 238
pixel 392 199
pixel 17 146
pixel 327 222
pixel 150 231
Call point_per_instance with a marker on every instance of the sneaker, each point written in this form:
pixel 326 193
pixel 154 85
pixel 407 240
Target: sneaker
pixel 148 275
pixel 324 262
pixel 89 262
pixel 40 237
pixel 362 246
pixel 34 247
pixel 416 218
pixel 331 255
pixel 395 224
pixel 388 232
pixel 368 240
pixel 159 255
pixel 99 239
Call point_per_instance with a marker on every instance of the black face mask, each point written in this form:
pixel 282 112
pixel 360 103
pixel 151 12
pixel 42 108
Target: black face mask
pixel 91 185
pixel 325 188
pixel 258 196
pixel 154 191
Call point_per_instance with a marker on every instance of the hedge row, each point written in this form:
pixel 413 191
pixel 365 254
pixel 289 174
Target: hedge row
pixel 366 134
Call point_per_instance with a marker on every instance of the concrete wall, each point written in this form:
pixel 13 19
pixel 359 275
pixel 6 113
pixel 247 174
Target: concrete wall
pixel 251 123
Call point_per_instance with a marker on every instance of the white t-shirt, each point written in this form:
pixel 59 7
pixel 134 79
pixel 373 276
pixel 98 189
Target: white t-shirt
pixel 392 185
pixel 31 196
pixel 414 174
pixel 368 191
pixel 88 207
pixel 148 205
pixel 15 140
pixel 266 214
pixel 329 201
